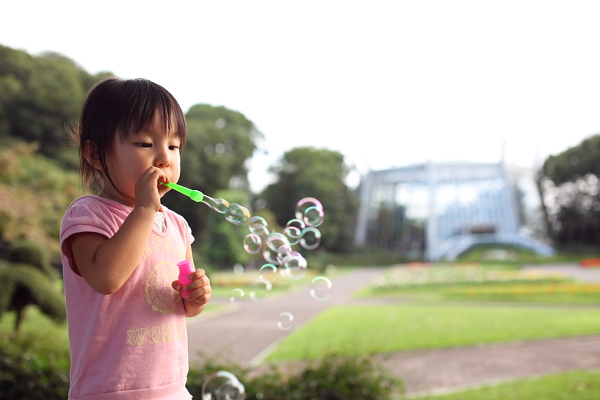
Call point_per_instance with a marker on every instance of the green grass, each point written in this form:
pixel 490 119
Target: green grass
pixel 576 385
pixel 530 292
pixel 375 329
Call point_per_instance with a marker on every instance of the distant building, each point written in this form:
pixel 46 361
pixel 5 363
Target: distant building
pixel 438 211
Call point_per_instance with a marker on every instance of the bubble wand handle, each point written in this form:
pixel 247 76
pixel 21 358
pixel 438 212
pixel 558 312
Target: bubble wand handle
pixel 195 195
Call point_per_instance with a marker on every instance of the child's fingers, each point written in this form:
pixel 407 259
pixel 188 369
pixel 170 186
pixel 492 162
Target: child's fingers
pixel 176 286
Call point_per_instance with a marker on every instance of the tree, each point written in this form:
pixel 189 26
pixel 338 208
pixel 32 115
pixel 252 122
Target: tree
pixel 39 96
pixel 569 182
pixel 34 193
pixel 319 173
pixel 219 143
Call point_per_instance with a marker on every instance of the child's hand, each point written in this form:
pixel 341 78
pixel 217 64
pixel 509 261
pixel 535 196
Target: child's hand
pixel 146 188
pixel 199 288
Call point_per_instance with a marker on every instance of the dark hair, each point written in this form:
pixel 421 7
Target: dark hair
pixel 121 107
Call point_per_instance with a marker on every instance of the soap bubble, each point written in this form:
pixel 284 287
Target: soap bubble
pixel 293 266
pixel 285 321
pixel 260 230
pixel 305 203
pixel 222 385
pixel 320 288
pixel 256 220
pixel 237 215
pixel 313 216
pixel 311 238
pixel 293 230
pixel 268 272
pixel 275 243
pixel 236 295
pixel 258 226
pixel 259 289
pixel 219 205
pixel 252 243
pixel 276 240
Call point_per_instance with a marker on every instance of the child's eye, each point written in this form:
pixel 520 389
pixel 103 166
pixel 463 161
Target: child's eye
pixel 173 147
pixel 144 144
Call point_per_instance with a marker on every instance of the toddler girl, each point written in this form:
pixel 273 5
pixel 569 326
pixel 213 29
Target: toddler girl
pixel 120 249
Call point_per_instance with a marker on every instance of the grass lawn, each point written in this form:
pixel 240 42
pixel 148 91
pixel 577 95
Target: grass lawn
pixel 577 385
pixel 375 329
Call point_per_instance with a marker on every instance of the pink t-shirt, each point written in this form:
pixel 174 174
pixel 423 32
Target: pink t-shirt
pixel 131 344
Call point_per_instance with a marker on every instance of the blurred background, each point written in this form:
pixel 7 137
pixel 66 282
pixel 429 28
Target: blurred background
pixel 426 129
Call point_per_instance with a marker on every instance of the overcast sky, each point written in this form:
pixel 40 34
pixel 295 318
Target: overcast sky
pixel 386 83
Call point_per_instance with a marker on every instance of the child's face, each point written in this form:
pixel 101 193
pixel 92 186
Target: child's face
pixel 138 152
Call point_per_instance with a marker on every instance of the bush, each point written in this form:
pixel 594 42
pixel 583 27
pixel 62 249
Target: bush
pixel 331 378
pixel 26 252
pixel 26 373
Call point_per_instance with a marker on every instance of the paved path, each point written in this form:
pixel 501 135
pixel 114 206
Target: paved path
pixel 247 334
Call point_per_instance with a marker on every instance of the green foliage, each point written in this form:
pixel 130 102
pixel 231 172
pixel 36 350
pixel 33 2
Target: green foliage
pixel 570 184
pixel 39 95
pixel 223 241
pixel 26 252
pixel 35 193
pixel 22 285
pixel 26 373
pixel 574 162
pixel 330 378
pixel 220 141
pixel 319 173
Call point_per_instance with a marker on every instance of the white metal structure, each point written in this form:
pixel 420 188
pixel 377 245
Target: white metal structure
pixel 438 211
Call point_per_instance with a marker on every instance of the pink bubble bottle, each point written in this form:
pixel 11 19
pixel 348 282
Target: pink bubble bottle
pixel 186 267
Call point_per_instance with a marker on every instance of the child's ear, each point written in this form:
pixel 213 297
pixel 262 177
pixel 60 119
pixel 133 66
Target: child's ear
pixel 90 153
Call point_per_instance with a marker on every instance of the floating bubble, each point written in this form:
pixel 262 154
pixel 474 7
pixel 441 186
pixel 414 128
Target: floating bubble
pixel 261 230
pixel 305 203
pixel 236 295
pixel 273 245
pixel 320 288
pixel 276 240
pixel 219 205
pixel 293 266
pixel 270 256
pixel 285 321
pixel 283 253
pixel 252 243
pixel 268 272
pixel 257 221
pixel 313 216
pixel 311 238
pixel 222 385
pixel 293 230
pixel 237 215
pixel 259 289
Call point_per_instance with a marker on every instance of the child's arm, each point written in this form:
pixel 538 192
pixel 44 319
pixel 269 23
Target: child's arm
pixel 106 263
pixel 196 300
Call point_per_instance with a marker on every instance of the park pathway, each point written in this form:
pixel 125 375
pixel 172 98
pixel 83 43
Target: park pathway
pixel 246 335
pixel 248 332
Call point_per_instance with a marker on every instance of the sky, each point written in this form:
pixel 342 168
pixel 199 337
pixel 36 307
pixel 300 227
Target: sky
pixel 386 83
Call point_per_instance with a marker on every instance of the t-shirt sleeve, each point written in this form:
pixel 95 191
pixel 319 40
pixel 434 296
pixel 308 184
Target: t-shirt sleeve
pixel 84 217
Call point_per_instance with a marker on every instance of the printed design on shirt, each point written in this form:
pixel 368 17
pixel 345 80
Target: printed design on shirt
pixel 155 334
pixel 159 292
pixel 159 244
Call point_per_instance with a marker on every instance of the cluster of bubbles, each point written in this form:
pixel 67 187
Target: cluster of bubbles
pixel 223 385
pixel 279 255
pixel 280 258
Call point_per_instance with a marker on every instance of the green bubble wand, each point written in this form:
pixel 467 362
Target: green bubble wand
pixel 234 213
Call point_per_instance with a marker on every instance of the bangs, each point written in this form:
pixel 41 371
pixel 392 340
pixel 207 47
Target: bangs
pixel 143 101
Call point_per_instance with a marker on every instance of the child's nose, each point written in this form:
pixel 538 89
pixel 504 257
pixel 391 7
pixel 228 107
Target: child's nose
pixel 163 159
